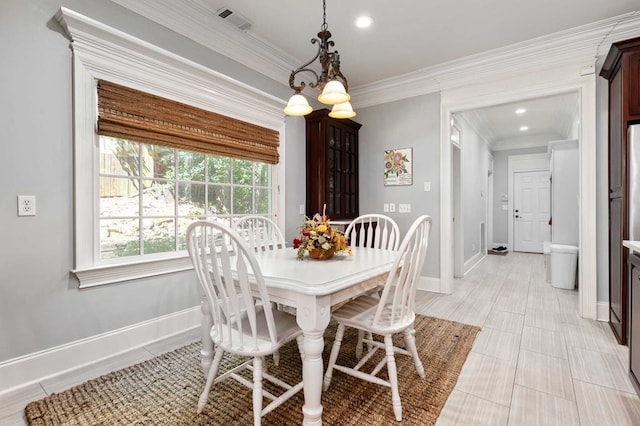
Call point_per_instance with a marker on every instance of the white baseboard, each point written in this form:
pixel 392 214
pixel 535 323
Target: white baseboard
pixel 429 284
pixel 473 262
pixel 31 368
pixel 602 311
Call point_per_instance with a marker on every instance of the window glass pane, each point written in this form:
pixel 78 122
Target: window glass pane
pixel 191 199
pixel 219 169
pixel 262 196
pixel 119 197
pixel 158 198
pixel 174 188
pixel 158 161
pixel 183 224
pixel 191 166
pixel 219 200
pixel 119 238
pixel 158 235
pixel 263 175
pixel 242 200
pixel 118 157
pixel 242 172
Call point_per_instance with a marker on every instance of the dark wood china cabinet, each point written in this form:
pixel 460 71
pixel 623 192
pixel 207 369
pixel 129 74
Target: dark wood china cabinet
pixel 332 166
pixel 622 69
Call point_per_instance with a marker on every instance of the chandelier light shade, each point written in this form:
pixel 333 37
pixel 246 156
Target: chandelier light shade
pixel 298 105
pixel 331 82
pixel 343 110
pixel 334 93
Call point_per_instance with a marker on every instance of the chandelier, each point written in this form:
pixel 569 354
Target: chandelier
pixel 330 81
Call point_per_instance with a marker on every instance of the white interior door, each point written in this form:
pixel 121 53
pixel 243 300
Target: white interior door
pixel 531 202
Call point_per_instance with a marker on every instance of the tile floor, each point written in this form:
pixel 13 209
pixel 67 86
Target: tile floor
pixel 535 362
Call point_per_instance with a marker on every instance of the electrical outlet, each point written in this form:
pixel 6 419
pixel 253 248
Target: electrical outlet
pixel 26 205
pixel 427 186
pixel 385 207
pixel 392 207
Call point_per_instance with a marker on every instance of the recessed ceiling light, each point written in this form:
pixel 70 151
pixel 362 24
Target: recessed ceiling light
pixel 521 111
pixel 524 128
pixel 363 21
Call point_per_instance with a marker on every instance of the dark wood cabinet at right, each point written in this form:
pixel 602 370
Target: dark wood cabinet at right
pixel 622 69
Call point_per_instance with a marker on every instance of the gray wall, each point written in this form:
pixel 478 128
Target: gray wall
pixel 409 123
pixel 40 304
pixel 500 189
pixel 475 170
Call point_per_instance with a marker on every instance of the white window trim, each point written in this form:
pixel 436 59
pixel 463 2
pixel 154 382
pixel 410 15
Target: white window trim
pixel 102 52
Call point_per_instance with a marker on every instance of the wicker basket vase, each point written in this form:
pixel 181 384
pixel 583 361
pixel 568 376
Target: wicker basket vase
pixel 322 254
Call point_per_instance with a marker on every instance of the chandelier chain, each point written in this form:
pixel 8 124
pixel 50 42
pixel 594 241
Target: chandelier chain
pixel 324 15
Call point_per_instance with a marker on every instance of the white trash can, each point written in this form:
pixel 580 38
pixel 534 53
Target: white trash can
pixel 564 266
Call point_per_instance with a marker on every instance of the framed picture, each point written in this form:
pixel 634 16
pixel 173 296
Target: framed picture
pixel 398 167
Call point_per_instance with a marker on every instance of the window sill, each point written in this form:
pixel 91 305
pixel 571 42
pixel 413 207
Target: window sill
pixel 109 274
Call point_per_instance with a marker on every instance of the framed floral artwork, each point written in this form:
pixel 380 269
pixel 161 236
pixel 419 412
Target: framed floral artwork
pixel 398 167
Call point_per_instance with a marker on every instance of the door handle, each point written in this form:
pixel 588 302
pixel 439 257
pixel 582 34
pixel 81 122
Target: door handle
pixel 517 210
pixel 517 216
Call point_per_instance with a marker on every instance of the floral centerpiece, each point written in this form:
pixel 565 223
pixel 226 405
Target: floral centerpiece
pixel 319 239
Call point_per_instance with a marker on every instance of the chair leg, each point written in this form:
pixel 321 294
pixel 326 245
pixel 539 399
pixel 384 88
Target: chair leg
pixel 393 377
pixel 359 345
pixel 300 341
pixel 257 391
pixel 213 372
pixel 333 357
pixel 410 342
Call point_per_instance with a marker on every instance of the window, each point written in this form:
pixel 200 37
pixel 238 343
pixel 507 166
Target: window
pixel 149 194
pixel 133 200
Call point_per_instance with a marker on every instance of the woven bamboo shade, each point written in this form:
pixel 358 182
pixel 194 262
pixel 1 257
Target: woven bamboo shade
pixel 134 115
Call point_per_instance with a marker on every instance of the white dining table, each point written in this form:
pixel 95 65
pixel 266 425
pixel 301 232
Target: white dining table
pixel 312 287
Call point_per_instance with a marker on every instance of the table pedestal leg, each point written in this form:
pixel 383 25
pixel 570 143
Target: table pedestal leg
pixel 313 315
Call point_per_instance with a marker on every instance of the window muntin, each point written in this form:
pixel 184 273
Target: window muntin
pixel 149 194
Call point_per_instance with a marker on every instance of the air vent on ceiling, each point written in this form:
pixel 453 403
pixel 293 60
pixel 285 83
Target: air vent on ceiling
pixel 234 17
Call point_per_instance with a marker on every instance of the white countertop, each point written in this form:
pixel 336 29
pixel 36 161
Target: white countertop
pixel 633 245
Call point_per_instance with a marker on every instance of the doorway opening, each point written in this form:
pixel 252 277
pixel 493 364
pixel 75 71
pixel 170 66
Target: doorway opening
pixel 493 94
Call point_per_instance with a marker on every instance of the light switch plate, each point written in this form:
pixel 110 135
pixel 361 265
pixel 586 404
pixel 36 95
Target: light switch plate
pixel 427 186
pixel 404 208
pixel 392 207
pixel 385 207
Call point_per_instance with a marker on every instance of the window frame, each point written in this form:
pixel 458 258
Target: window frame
pixel 102 52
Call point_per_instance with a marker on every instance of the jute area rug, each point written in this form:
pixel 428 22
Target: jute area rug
pixel 165 389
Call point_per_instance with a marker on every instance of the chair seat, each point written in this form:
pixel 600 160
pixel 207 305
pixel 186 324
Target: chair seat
pixel 286 329
pixel 360 312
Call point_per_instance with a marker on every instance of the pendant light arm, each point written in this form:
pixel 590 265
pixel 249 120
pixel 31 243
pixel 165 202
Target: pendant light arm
pixel 303 68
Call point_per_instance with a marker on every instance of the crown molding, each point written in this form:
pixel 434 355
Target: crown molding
pixel 579 46
pixel 197 20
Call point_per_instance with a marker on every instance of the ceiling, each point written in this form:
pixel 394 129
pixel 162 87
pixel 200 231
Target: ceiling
pixel 411 35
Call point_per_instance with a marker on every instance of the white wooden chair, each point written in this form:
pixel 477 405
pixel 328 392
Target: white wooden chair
pixel 260 232
pixel 372 230
pixel 223 263
pixel 392 313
